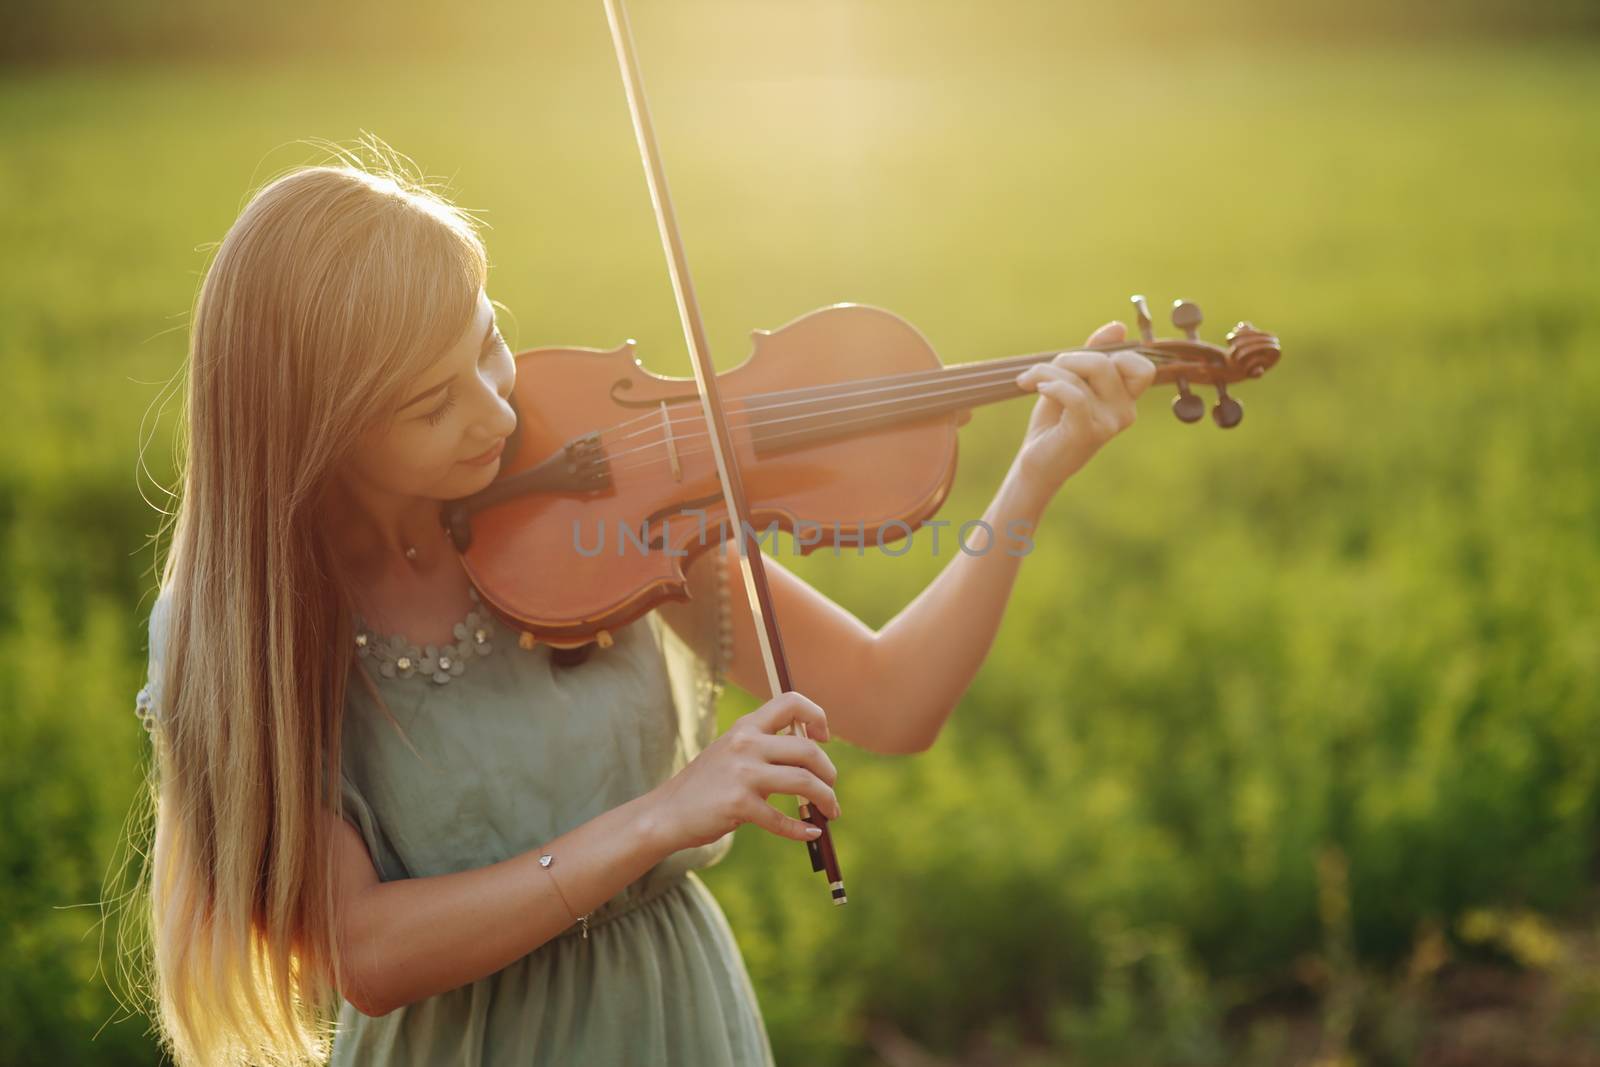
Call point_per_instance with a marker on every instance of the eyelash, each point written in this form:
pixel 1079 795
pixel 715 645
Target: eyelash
pixel 434 417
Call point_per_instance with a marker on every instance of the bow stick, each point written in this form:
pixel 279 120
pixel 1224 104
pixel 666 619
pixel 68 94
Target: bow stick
pixel 705 376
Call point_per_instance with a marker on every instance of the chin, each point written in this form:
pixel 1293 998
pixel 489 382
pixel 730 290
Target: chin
pixel 473 479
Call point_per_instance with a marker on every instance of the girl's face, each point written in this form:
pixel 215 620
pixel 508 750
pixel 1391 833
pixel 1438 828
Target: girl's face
pixel 443 442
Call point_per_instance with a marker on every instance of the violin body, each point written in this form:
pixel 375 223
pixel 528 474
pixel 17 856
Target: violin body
pixel 609 527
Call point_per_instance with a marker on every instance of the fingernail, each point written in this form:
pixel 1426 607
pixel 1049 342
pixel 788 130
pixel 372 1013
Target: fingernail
pixel 813 831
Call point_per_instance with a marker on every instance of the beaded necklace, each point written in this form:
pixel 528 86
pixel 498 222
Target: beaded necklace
pixel 397 657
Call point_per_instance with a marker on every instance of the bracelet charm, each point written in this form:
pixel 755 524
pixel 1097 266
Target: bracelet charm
pixel 544 861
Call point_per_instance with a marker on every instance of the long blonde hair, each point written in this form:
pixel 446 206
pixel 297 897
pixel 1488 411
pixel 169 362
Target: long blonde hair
pixel 336 285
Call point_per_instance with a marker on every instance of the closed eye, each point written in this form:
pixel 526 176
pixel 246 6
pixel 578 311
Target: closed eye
pixel 434 417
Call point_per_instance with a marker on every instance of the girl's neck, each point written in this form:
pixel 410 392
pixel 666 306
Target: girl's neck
pixel 384 538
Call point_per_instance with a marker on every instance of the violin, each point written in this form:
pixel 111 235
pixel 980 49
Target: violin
pixel 845 417
pixel 844 423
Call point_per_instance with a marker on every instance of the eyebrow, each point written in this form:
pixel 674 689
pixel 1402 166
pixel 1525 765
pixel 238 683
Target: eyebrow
pixel 426 393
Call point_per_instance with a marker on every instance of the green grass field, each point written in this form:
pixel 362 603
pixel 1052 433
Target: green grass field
pixel 1275 715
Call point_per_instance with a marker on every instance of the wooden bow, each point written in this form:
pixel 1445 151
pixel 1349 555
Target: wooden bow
pixel 750 558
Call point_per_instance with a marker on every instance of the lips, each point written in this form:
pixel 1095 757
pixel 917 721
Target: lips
pixel 487 457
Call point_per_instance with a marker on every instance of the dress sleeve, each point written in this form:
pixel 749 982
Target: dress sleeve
pixel 358 813
pixel 147 703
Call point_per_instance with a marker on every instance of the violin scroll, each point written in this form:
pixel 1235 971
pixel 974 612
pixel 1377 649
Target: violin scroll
pixel 1250 354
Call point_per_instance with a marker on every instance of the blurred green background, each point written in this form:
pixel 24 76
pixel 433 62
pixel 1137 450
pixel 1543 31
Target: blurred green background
pixel 1286 752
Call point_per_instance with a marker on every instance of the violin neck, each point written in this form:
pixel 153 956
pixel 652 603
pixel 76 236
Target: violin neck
pixel 995 379
pixel 794 418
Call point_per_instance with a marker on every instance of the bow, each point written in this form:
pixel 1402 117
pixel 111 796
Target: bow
pixel 705 375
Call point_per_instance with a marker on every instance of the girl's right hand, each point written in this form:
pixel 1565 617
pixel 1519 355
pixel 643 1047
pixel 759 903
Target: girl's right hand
pixel 727 785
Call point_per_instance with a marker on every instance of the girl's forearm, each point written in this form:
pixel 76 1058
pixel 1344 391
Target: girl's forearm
pixel 928 654
pixel 417 937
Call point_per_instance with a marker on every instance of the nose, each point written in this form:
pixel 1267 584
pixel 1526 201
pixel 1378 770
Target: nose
pixel 497 419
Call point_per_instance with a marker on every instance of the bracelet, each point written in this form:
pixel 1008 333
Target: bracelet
pixel 545 861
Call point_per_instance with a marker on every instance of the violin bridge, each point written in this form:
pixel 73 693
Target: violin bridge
pixel 672 446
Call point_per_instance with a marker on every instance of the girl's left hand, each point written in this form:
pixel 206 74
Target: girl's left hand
pixel 1085 399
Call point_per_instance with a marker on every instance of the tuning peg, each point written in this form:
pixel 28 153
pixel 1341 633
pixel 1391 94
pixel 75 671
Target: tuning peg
pixel 1187 317
pixel 1228 412
pixel 1186 405
pixel 1143 311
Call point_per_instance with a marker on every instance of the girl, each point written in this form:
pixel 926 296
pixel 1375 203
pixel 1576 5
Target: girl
pixel 367 793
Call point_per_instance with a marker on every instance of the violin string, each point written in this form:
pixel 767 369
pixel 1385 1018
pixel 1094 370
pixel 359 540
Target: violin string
pixel 646 462
pixel 893 380
pixel 660 458
pixel 822 390
pixel 848 389
pixel 974 383
pixel 758 421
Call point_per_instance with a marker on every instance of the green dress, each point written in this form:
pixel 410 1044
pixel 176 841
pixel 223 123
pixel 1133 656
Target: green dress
pixel 507 751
